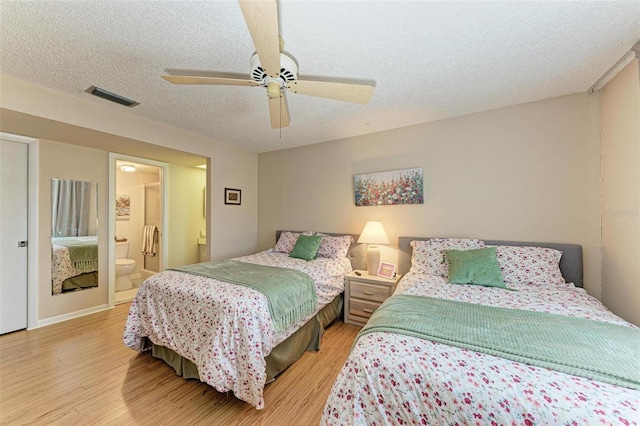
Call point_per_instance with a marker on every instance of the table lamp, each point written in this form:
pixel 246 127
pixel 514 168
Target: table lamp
pixel 373 234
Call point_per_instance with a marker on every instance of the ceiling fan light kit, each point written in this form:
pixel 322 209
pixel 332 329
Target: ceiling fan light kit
pixel 275 70
pixel 288 73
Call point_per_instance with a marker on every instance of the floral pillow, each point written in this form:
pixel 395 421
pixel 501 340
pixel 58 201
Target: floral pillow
pixel 530 265
pixel 428 256
pixel 286 242
pixel 335 247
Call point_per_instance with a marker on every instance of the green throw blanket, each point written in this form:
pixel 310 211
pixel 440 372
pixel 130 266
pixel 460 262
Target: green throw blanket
pixel 291 294
pixel 83 255
pixel 577 346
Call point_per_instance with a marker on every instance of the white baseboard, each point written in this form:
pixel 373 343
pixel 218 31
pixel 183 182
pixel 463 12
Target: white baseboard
pixel 70 315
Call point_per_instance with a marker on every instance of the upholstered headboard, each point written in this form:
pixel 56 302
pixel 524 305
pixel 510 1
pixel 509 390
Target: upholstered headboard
pixel 570 263
pixel 357 252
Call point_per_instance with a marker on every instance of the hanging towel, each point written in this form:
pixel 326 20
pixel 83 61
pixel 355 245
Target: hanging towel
pixel 149 240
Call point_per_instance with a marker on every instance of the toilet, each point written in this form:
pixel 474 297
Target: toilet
pixel 124 266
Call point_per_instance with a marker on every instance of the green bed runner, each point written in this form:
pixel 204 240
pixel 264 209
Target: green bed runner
pixel 581 347
pixel 83 255
pixel 291 294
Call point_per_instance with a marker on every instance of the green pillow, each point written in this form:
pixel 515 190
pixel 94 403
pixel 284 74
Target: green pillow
pixel 478 266
pixel 306 247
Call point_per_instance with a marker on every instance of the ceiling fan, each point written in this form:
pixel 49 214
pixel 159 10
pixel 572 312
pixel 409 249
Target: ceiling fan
pixel 275 70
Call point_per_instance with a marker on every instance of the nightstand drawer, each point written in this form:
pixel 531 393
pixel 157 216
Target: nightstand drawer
pixel 362 308
pixel 372 292
pixel 363 294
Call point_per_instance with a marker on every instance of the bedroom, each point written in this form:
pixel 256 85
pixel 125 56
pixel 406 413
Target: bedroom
pixel 293 188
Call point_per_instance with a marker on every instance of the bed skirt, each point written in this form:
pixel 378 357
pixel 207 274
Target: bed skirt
pixel 86 280
pixel 306 338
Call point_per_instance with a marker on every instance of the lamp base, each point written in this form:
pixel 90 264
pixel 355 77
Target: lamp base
pixel 373 259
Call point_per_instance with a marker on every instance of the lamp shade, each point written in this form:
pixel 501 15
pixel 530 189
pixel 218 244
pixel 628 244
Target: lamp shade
pixel 374 233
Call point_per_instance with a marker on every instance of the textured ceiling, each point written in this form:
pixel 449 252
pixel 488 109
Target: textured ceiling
pixel 429 60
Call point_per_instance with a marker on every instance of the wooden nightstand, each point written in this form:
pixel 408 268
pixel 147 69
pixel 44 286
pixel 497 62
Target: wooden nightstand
pixel 363 294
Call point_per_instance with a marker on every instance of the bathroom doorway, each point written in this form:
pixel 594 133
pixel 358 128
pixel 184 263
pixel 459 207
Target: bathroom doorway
pixel 137 222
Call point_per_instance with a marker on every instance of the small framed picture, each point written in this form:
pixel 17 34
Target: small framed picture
pixel 386 270
pixel 232 196
pixel 123 207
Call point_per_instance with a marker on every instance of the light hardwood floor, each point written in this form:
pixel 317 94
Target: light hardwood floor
pixel 80 372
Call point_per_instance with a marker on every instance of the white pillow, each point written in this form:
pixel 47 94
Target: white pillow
pixel 334 247
pixel 428 255
pixel 530 265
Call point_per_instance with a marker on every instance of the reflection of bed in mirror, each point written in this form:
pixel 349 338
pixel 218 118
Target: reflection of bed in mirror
pixel 74 264
pixel 74 230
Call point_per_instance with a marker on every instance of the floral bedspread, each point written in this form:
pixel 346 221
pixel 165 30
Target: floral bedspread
pixel 61 266
pixel 225 329
pixel 395 379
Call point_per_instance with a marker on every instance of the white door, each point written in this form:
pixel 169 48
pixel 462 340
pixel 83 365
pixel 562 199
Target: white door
pixel 13 235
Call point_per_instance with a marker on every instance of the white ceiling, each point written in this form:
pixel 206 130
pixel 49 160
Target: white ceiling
pixel 429 60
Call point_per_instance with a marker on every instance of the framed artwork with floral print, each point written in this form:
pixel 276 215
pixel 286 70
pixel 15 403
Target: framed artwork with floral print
pixel 123 207
pixel 389 188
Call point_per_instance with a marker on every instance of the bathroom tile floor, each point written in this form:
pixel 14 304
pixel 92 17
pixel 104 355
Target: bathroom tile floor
pixel 128 295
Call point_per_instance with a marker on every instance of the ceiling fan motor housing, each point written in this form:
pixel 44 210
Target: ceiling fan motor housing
pixel 288 71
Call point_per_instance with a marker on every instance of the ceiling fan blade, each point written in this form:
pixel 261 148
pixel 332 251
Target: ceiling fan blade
pixel 186 79
pixel 357 93
pixel 262 21
pixel 278 111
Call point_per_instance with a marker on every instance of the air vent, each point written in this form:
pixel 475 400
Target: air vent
pixel 104 94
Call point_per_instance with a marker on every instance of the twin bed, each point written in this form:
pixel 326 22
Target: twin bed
pixel 224 335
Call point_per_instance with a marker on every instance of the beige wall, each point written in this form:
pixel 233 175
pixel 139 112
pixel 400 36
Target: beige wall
pixel 185 205
pixel 621 194
pixel 232 230
pixel 66 161
pixel 528 172
pixel 186 185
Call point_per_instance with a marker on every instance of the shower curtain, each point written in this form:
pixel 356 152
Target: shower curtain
pixel 72 205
